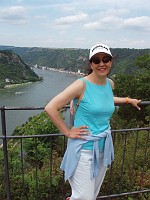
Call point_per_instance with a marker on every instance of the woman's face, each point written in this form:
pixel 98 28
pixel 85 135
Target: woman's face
pixel 101 64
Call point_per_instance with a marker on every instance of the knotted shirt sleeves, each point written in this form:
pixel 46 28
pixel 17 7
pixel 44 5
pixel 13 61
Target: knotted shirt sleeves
pixel 72 154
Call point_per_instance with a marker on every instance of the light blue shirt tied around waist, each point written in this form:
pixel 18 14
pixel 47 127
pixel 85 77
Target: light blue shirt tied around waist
pixel 72 154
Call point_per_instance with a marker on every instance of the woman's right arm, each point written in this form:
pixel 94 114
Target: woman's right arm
pixel 58 102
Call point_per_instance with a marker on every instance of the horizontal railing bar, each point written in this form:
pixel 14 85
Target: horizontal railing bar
pixel 31 136
pixel 123 194
pixel 131 129
pixel 24 108
pixel 144 103
pixel 41 108
pixel 61 134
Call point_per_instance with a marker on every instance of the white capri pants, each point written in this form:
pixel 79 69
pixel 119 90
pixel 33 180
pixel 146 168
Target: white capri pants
pixel 83 187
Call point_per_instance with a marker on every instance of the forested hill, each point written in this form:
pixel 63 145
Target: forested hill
pixel 74 59
pixel 13 70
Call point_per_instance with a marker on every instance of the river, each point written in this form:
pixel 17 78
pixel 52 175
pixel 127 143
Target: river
pixel 32 95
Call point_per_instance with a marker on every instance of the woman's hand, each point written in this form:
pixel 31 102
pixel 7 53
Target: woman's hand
pixel 134 102
pixel 79 132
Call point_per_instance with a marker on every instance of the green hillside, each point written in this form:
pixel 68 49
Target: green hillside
pixel 13 70
pixel 74 59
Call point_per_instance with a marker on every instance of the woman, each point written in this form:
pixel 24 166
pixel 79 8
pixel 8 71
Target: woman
pixel 90 148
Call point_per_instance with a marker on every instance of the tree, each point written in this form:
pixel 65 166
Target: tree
pixel 143 61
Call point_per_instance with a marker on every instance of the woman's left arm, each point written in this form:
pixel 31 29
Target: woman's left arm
pixel 127 100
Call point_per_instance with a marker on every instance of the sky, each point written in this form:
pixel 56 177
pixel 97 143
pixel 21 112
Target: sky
pixel 75 23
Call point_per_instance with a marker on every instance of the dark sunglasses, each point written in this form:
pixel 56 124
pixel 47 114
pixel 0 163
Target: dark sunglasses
pixel 97 60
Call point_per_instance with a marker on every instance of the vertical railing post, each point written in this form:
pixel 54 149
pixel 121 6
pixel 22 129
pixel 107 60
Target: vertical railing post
pixel 3 119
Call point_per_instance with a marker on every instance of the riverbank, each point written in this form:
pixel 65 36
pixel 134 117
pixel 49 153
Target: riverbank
pixel 58 70
pixel 19 84
pixel 15 85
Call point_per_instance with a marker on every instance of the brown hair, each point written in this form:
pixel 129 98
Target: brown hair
pixel 88 69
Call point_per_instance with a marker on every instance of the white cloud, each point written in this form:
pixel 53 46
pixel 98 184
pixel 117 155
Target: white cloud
pixel 106 23
pixel 40 17
pixel 115 23
pixel 67 8
pixel 71 19
pixel 138 23
pixel 13 14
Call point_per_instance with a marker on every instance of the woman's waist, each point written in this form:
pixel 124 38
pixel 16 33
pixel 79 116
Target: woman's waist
pixel 94 130
pixel 89 144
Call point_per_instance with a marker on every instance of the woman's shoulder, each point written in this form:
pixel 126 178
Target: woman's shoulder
pixel 111 82
pixel 82 79
pixel 77 86
pixel 79 82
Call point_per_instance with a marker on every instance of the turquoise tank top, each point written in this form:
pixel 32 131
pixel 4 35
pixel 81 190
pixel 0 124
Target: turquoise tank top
pixel 95 110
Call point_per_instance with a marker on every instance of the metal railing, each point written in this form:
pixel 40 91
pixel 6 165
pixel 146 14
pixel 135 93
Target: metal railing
pixel 129 170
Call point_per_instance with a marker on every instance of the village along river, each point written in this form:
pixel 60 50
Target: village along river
pixel 32 95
